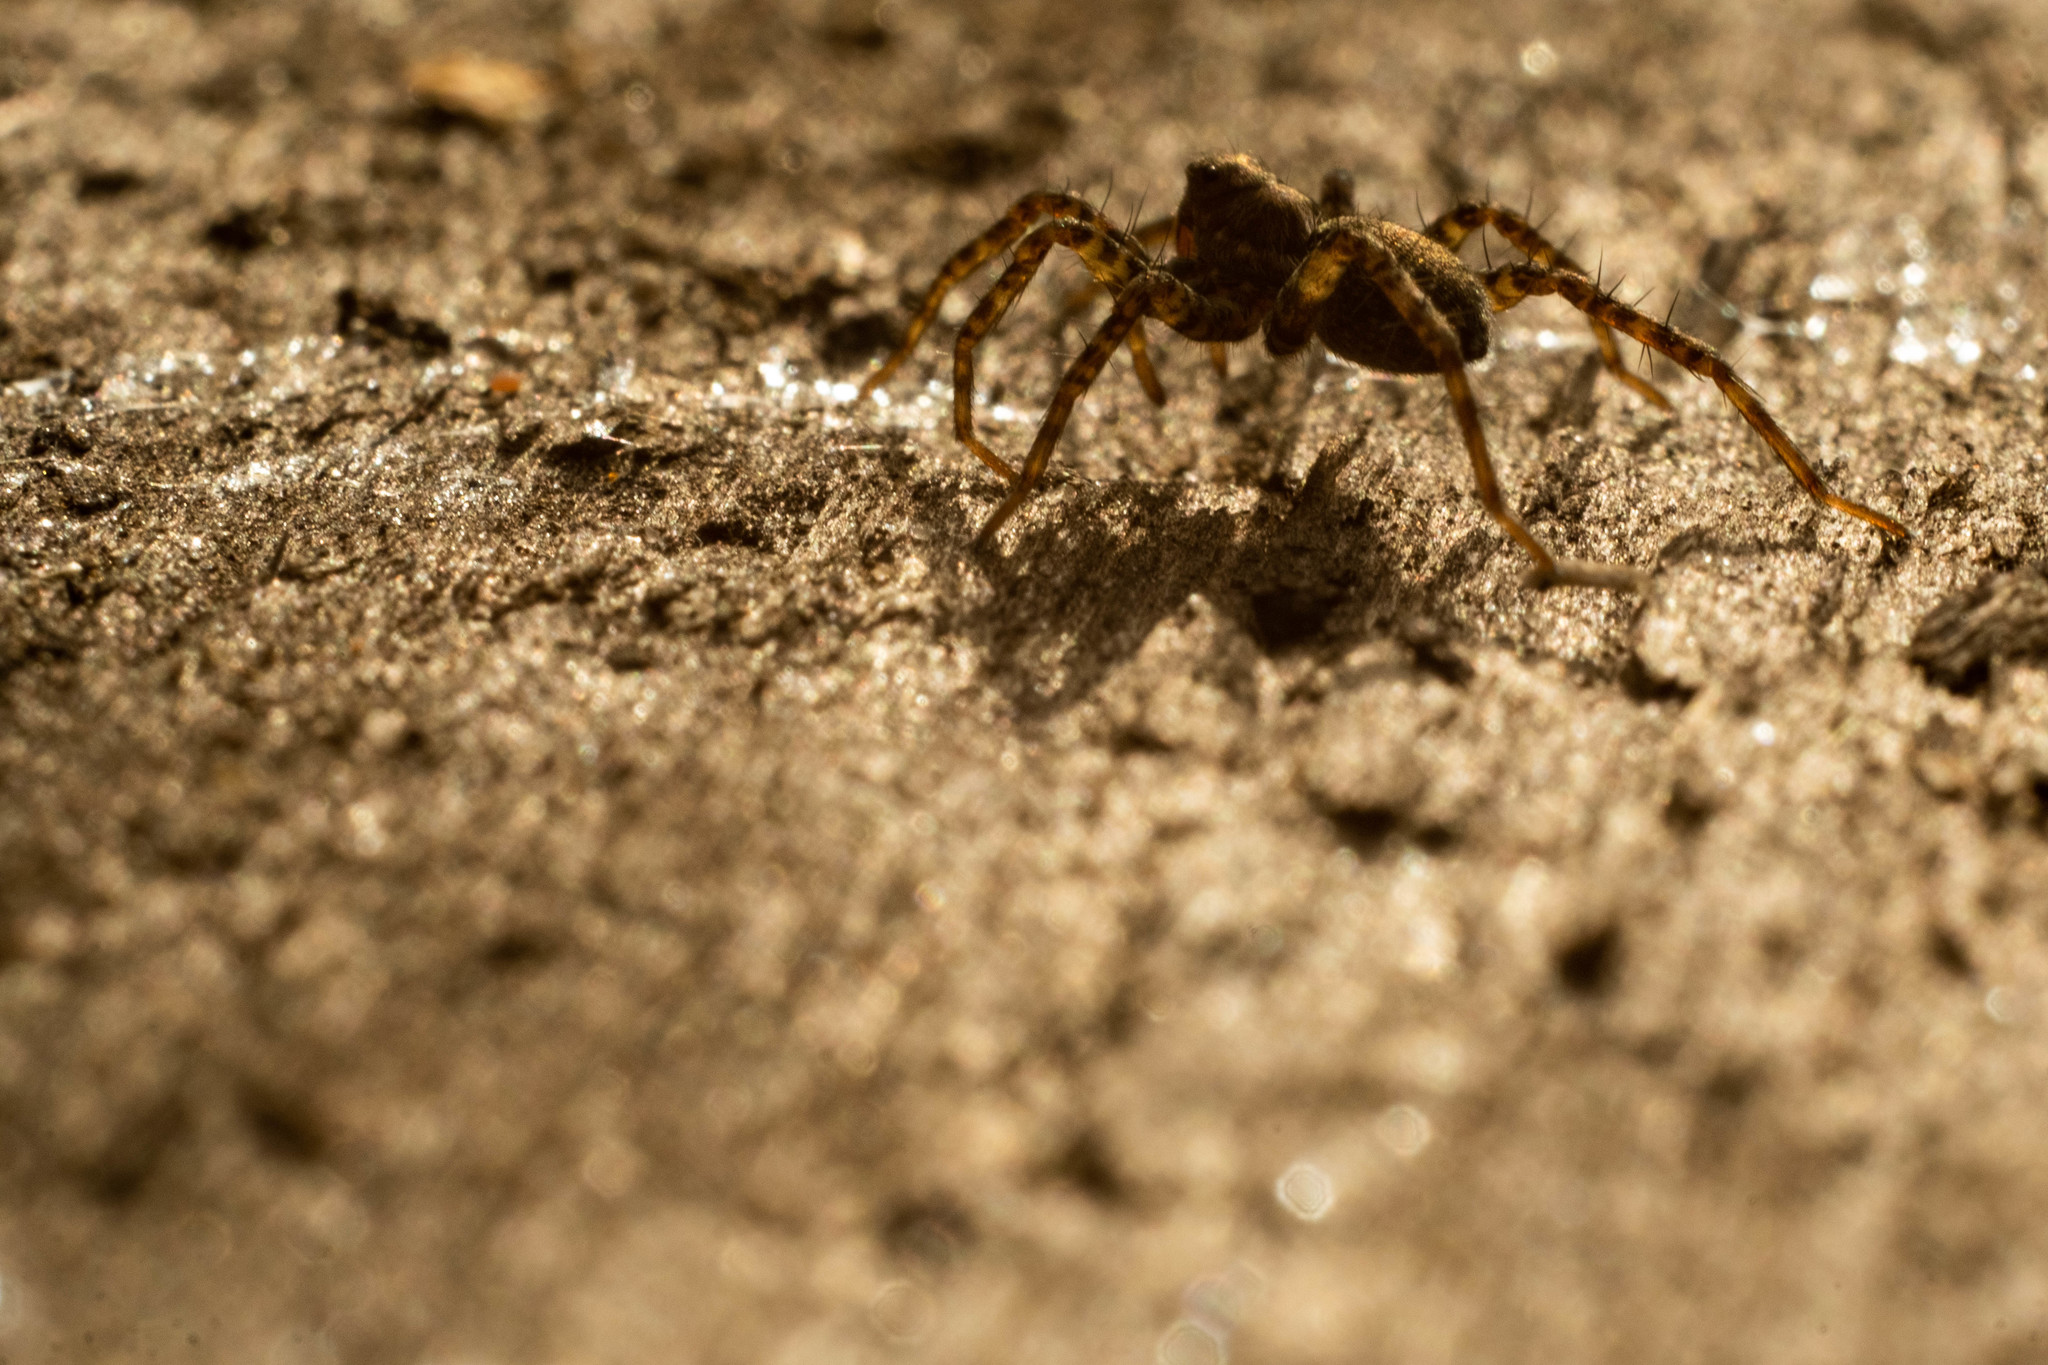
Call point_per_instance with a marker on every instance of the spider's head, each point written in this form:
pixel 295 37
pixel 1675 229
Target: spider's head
pixel 1236 215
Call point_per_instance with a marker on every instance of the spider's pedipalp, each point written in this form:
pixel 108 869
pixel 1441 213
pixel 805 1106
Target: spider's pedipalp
pixel 1141 361
pixel 1509 285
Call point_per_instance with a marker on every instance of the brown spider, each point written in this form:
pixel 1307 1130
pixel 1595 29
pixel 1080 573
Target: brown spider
pixel 1253 253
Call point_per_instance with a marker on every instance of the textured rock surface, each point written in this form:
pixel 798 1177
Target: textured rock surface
pixel 600 873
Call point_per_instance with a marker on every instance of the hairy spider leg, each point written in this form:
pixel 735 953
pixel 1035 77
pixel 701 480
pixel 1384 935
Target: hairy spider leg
pixel 1509 285
pixel 1453 227
pixel 998 238
pixel 1158 294
pixel 1111 257
pixel 1293 323
pixel 1336 200
pixel 1150 235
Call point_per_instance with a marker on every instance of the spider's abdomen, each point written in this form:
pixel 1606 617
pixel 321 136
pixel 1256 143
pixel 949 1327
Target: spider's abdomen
pixel 1361 324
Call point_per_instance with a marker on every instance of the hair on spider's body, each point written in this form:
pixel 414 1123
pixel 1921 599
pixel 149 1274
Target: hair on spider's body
pixel 1254 256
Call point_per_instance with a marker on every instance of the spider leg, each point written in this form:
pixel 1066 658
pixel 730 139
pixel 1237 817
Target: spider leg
pixel 1158 294
pixel 1509 285
pixel 1454 226
pixel 1293 322
pixel 1110 257
pixel 964 262
pixel 1151 235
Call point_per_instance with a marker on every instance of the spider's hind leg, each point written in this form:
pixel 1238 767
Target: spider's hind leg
pixel 1509 285
pixel 1293 323
pixel 1515 228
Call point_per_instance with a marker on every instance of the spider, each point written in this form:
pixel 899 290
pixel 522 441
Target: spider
pixel 1252 253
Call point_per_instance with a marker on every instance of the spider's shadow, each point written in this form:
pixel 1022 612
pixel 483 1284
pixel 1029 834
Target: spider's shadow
pixel 1090 574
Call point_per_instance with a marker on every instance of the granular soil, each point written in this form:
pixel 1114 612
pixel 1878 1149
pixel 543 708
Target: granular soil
pixel 529 835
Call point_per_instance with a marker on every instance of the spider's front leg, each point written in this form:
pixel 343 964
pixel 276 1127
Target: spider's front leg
pixel 999 237
pixel 1453 227
pixel 1109 258
pixel 1158 293
pixel 1152 235
pixel 1509 285
pixel 1293 322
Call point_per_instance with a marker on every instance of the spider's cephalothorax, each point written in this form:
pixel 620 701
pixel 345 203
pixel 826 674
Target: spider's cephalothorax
pixel 1252 255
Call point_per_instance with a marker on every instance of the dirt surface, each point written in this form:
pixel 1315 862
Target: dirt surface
pixel 602 873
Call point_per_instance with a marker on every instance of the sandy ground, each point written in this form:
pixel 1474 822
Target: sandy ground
pixel 602 873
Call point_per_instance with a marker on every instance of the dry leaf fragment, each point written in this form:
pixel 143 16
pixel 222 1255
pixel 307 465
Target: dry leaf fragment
pixel 502 94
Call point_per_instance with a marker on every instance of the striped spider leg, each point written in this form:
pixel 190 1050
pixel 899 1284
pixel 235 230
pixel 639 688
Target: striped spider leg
pixel 1160 293
pixel 1509 285
pixel 1116 245
pixel 1453 227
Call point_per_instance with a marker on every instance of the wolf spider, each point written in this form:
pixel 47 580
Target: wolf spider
pixel 1252 253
